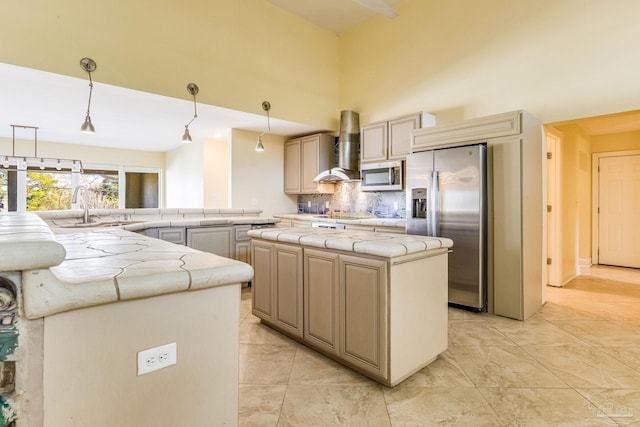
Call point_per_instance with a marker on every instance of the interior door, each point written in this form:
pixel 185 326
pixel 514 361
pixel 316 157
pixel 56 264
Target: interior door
pixel 619 211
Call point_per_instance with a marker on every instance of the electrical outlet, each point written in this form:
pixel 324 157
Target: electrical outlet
pixel 395 205
pixel 156 358
pixel 309 204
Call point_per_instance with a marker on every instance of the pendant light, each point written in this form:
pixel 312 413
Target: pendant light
pixel 193 89
pixel 266 107
pixel 88 65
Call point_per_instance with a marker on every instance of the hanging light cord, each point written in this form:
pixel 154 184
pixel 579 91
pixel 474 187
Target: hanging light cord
pixel 90 92
pixel 195 112
pixel 268 122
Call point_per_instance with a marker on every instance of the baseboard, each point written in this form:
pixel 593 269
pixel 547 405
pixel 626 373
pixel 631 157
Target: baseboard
pixel 584 262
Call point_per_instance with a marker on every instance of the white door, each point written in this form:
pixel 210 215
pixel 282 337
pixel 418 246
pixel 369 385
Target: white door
pixel 619 211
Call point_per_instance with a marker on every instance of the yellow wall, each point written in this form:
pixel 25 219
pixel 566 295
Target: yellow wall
pixel 216 158
pixel 239 52
pixel 257 179
pixel 557 59
pixel 576 197
pixel 616 142
pixel 184 176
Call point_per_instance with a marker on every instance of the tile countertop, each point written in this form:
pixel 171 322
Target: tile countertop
pixel 26 242
pixel 102 265
pixel 373 221
pixel 388 245
pixel 70 221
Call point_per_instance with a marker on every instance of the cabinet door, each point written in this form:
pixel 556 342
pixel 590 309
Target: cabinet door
pixel 173 235
pixel 215 240
pixel 321 300
pixel 292 167
pixel 400 135
pixel 373 142
pixel 288 288
pixel 363 313
pixel 243 252
pixel 263 280
pixel 310 147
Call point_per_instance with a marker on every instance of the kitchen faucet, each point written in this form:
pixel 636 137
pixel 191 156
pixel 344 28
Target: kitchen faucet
pixel 85 199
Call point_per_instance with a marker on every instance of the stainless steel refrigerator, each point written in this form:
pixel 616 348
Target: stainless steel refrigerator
pixel 447 197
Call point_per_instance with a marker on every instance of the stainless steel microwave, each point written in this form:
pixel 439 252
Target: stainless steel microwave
pixel 385 176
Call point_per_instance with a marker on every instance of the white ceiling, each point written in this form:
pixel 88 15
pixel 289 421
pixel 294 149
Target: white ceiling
pixel 123 118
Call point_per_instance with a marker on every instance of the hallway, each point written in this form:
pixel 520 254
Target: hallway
pixel 575 362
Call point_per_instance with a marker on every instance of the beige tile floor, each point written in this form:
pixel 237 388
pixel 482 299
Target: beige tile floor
pixel 574 363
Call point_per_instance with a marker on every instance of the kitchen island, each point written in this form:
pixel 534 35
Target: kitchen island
pixel 87 302
pixel 376 302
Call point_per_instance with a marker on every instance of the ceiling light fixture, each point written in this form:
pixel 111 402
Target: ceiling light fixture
pixel 22 162
pixel 88 65
pixel 193 89
pixel 266 107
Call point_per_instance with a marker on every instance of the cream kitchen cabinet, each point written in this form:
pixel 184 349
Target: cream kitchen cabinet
pixel 304 159
pixel 215 240
pixel 175 235
pixel 242 243
pixel 389 140
pixel 362 314
pixel 321 300
pixel 516 156
pixel 385 317
pixel 277 285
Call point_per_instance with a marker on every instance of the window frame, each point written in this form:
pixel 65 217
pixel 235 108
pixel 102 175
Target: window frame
pixel 21 183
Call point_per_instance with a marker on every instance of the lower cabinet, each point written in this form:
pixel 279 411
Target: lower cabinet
pixel 216 240
pixel 321 300
pixel 242 243
pixel 175 235
pixel 335 303
pixel 363 313
pixel 277 285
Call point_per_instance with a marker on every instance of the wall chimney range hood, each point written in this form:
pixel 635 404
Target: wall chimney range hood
pixel 348 151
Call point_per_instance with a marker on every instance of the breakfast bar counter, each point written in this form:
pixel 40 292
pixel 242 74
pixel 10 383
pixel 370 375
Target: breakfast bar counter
pixel 376 302
pixel 85 305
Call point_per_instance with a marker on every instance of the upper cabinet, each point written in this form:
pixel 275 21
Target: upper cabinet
pixel 304 159
pixel 389 140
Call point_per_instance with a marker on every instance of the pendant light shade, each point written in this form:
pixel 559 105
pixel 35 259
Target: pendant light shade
pixel 87 126
pixel 186 138
pixel 259 146
pixel 266 106
pixel 193 89
pixel 88 65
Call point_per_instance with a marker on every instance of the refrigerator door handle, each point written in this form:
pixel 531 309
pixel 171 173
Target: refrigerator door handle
pixel 435 204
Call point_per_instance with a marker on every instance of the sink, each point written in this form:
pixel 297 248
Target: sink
pixel 97 224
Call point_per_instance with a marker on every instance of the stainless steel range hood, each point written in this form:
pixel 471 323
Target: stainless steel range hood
pixel 348 151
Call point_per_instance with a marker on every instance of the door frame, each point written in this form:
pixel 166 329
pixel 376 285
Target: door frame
pixel 554 198
pixel 595 192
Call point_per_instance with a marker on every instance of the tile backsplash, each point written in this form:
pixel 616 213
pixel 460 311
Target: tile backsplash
pixel 348 199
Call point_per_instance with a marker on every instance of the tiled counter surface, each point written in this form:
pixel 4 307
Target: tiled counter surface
pixel 85 303
pixel 369 222
pixel 102 265
pixel 386 245
pixel 70 221
pixel 109 265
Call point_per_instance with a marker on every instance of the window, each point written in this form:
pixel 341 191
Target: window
pixel 4 193
pixel 48 190
pixel 51 189
pixel 102 186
